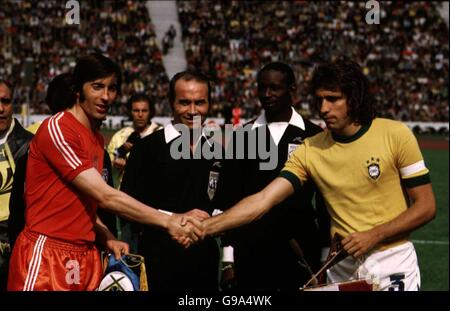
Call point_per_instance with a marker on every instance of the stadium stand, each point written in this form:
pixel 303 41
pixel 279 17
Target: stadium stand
pixel 37 44
pixel 405 56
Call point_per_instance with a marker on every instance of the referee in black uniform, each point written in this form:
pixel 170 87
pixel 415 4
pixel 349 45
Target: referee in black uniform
pixel 263 256
pixel 192 186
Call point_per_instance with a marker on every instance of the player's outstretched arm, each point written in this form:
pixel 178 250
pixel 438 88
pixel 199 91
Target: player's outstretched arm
pixel 90 183
pixel 251 207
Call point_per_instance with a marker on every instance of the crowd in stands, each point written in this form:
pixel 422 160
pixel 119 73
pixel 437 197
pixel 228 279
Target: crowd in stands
pixel 405 56
pixel 37 44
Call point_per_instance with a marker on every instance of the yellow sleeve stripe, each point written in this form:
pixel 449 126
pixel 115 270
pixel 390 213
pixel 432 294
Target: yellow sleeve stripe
pixel 292 178
pixel 417 181
pixel 412 169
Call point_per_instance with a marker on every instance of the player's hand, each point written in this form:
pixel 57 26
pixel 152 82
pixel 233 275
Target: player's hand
pixel 118 248
pixel 185 229
pixel 359 243
pixel 119 163
pixel 127 146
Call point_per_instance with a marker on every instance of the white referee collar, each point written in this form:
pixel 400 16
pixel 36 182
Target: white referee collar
pixel 170 133
pixel 277 129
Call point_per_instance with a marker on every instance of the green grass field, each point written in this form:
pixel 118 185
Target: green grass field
pixel 431 241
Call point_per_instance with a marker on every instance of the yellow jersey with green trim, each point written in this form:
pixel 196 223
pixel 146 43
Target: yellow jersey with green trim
pixel 361 177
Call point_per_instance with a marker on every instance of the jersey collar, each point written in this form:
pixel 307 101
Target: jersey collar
pixel 296 120
pixel 5 136
pixel 170 133
pixel 348 139
pixel 277 129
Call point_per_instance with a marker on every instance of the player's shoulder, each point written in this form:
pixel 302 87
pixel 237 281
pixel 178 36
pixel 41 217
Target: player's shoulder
pixel 58 129
pixel 125 131
pixel 55 124
pixel 319 136
pixel 387 122
pixel 154 138
pixel 149 145
pixel 391 126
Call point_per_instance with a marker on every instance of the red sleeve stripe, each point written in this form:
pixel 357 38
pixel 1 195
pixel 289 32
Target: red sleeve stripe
pixel 35 263
pixel 60 143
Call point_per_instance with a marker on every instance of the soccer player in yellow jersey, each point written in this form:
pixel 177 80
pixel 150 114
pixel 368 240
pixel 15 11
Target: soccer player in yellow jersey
pixel 371 173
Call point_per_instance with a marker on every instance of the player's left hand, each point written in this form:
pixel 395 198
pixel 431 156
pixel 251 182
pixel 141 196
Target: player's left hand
pixel 118 248
pixel 127 146
pixel 359 243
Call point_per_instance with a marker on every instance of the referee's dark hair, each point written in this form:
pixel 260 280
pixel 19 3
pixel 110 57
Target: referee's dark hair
pixel 280 67
pixel 188 75
pixel 346 76
pixel 141 97
pixel 92 67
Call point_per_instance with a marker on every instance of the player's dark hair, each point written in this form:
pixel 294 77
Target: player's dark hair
pixel 141 97
pixel 280 67
pixel 92 67
pixel 346 76
pixel 59 93
pixel 188 75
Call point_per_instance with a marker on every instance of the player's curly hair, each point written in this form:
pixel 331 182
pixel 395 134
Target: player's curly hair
pixel 346 76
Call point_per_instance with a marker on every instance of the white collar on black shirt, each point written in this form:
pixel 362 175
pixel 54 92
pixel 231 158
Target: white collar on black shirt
pixel 170 133
pixel 277 129
pixel 4 137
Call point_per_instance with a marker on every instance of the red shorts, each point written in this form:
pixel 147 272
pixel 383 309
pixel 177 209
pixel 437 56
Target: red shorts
pixel 39 263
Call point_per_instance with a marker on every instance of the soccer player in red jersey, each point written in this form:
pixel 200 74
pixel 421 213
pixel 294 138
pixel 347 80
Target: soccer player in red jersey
pixel 64 186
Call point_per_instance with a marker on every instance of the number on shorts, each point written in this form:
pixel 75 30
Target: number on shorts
pixel 397 282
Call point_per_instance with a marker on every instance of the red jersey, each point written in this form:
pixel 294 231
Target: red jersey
pixel 61 149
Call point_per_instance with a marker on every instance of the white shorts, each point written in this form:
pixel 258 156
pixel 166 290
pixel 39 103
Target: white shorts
pixel 394 269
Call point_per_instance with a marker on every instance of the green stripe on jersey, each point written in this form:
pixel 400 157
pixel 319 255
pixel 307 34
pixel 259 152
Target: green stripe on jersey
pixel 292 178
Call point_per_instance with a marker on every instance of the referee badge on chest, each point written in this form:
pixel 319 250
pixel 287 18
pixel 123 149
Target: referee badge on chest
pixel 212 184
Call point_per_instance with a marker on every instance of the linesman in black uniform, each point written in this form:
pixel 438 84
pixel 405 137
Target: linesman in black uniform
pixel 154 175
pixel 263 256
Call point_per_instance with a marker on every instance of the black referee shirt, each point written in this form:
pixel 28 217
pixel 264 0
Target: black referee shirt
pixel 263 257
pixel 153 177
